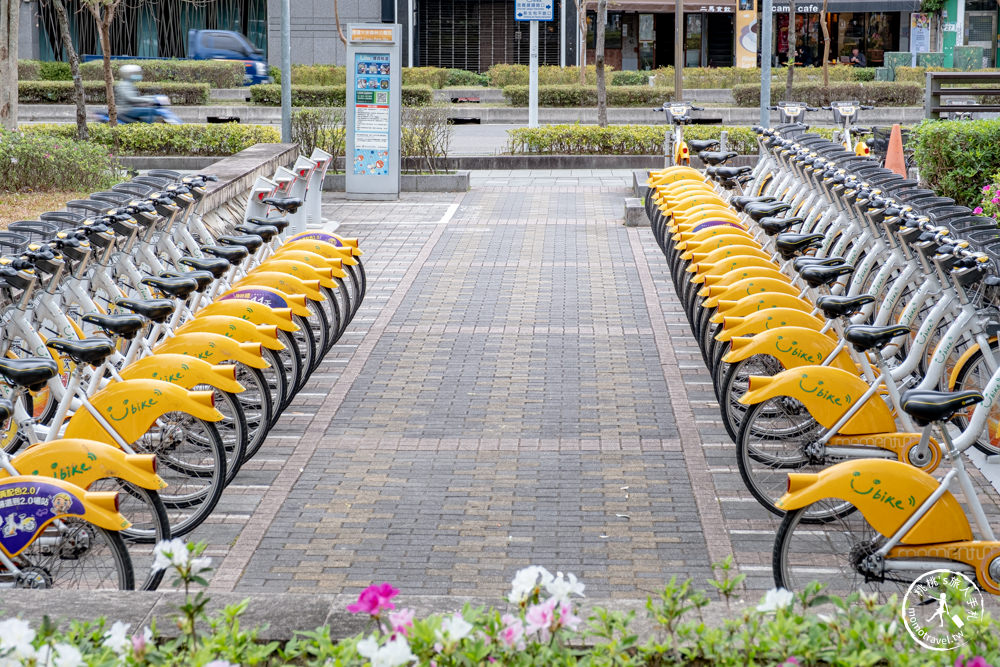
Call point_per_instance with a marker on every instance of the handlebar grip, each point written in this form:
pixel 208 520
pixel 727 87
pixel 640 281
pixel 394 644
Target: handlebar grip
pixel 827 108
pixel 812 108
pixel 694 108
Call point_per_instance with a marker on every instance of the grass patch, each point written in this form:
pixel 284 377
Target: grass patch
pixel 16 206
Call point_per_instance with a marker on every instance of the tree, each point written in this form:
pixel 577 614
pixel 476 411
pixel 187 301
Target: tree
pixel 103 12
pixel 826 45
pixel 791 50
pixel 602 88
pixel 9 17
pixel 74 65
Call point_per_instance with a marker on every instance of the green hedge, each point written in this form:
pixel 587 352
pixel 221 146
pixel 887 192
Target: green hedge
pixel 501 76
pixel 879 93
pixel 957 158
pixel 586 96
pixel 727 77
pixel 34 162
pixel 329 96
pixel 161 139
pixel 61 92
pixel 334 75
pixel 43 70
pixel 434 77
pixel 629 78
pixel 216 73
pixel 464 78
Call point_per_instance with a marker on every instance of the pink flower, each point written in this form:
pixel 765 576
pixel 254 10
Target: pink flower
pixel 401 621
pixel 566 616
pixel 977 210
pixel 513 632
pixel 986 188
pixel 978 661
pixel 374 599
pixel 539 618
pixel 996 199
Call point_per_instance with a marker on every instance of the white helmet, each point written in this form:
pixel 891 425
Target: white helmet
pixel 130 72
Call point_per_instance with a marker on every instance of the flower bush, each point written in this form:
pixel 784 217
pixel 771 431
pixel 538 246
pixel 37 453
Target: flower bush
pixel 989 205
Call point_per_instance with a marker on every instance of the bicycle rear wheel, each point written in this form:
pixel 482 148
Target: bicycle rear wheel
pixel 146 512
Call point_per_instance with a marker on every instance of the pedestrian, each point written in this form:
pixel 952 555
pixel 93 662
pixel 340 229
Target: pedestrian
pixel 857 58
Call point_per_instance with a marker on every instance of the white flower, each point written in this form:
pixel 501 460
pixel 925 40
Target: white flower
pixel 396 652
pixel 17 635
pixel 453 629
pixel 524 583
pixel 561 588
pixel 61 655
pixel 172 553
pixel 199 565
pixel 117 638
pixel 776 598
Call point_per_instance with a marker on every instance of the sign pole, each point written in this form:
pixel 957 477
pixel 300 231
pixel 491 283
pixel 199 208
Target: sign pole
pixel 286 72
pixel 766 21
pixel 678 50
pixel 533 77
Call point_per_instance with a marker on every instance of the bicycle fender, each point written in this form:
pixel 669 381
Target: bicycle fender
pixel 28 504
pixel 697 232
pixel 213 348
pixel 705 212
pixel 770 320
pixel 693 198
pixel 350 246
pixel 132 406
pixel 716 272
pixel 672 175
pixel 702 262
pixel 964 359
pixel 792 346
pixel 300 270
pixel 251 311
pixel 269 296
pixel 184 371
pixel 284 282
pixel 827 393
pixel 735 276
pixel 320 248
pixel 312 259
pixel 723 241
pixel 886 493
pixel 238 329
pixel 746 287
pixel 755 303
pixel 83 462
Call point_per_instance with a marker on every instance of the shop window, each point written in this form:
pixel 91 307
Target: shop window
pixel 612 31
pixel 980 5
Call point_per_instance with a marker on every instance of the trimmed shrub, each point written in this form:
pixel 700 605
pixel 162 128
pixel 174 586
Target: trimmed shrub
pixel 329 96
pixel 464 78
pixel 434 77
pixel 878 93
pixel 28 70
pixel 216 73
pixel 161 139
pixel 426 135
pixel 501 76
pixel 319 128
pixel 33 161
pixel 957 158
pixel 61 92
pixel 55 71
pixel 313 75
pixel 727 77
pixel 629 78
pixel 586 96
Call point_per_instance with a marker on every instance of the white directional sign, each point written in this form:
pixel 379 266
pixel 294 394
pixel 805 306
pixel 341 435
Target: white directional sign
pixel 534 10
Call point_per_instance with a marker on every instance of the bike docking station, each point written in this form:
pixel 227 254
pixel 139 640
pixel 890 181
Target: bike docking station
pixel 314 205
pixel 374 88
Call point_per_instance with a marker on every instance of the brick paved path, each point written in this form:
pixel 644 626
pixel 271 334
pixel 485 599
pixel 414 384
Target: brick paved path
pixel 520 387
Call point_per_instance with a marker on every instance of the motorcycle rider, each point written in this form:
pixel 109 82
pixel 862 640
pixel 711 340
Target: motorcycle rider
pixel 130 102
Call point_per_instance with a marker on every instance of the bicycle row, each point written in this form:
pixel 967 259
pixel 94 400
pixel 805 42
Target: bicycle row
pixel 145 356
pixel 848 319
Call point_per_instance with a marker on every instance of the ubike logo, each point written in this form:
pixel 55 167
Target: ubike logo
pixel 792 348
pixel 821 392
pixel 207 353
pixel 944 349
pixel 769 322
pixel 877 493
pixel 130 408
pixel 172 378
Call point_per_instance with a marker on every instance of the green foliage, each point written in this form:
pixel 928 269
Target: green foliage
pixel 29 70
pixel 465 79
pixel 501 76
pixel 433 77
pixel 630 78
pixel 586 96
pixel 216 73
pixel 957 157
pixel 329 96
pixel 426 135
pixel 319 128
pixel 727 77
pixel 878 93
pixel 31 161
pixel 162 139
pixel 55 71
pixel 61 92
pixel 314 75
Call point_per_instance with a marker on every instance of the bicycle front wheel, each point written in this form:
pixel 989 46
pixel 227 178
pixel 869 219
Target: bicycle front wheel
pixel 150 524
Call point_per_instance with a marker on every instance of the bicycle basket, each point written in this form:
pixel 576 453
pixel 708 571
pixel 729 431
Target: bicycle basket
pixel 12 242
pixel 134 189
pixel 63 218
pixel 88 206
pixel 35 230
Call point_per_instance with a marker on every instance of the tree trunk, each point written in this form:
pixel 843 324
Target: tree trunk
pixel 9 16
pixel 74 65
pixel 602 89
pixel 826 46
pixel 791 51
pixel 336 17
pixel 103 16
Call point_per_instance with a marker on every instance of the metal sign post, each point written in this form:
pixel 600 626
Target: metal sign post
pixel 373 100
pixel 533 11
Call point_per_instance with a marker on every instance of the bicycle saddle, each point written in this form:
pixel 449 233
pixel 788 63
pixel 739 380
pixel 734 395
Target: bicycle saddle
pixel 716 157
pixel 234 254
pixel 157 310
pixel 178 288
pixel 842 306
pixel 215 265
pixel 926 406
pixel 730 172
pixel 739 202
pixel 124 325
pixel 772 225
pixel 203 278
pixel 864 337
pixel 790 244
pixel 266 232
pixel 825 275
pixel 286 204
pixel 800 263
pixel 29 373
pixel 758 210
pixel 91 351
pixel 280 223
pixel 249 241
pixel 6 410
pixel 698 145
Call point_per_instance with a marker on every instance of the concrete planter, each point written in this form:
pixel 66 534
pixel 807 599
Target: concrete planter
pixel 455 182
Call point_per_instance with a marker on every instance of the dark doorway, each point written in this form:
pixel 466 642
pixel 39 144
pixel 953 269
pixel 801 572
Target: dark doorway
pixel 663 24
pixel 719 39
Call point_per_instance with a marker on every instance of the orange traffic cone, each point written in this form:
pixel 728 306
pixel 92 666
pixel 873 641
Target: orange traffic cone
pixel 894 160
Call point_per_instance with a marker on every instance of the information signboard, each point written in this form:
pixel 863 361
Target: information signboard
pixel 534 10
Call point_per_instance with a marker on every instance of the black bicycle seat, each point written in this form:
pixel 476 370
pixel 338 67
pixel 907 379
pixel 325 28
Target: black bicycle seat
pixel 727 173
pixel 91 351
pixel 178 288
pixel 772 225
pixel 842 306
pixel 203 278
pixel 234 254
pixel 29 373
pixel 825 275
pixel 698 145
pixel 266 232
pixel 927 406
pixel 249 241
pixel 280 223
pixel 6 410
pixel 157 310
pixel 790 244
pixel 217 266
pixel 864 337
pixel 739 202
pixel 286 204
pixel 716 157
pixel 758 210
pixel 124 325
pixel 800 263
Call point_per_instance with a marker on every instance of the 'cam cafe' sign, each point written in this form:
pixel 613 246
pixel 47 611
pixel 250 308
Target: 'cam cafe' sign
pixel 799 9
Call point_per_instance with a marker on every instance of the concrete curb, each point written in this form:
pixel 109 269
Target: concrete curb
pixel 455 182
pixel 238 172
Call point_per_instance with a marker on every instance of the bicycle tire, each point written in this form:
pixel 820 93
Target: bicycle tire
pixel 140 537
pixel 964 380
pixel 256 385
